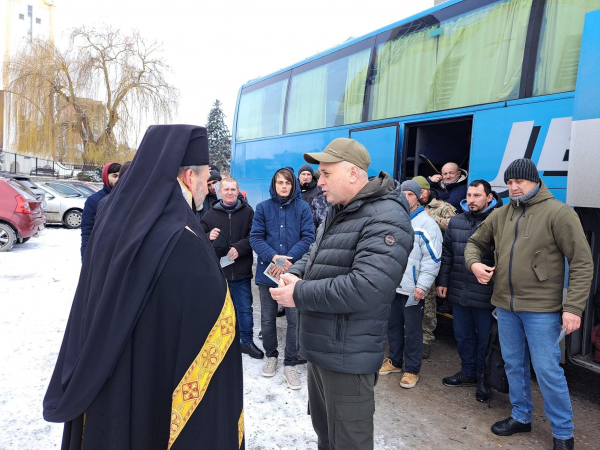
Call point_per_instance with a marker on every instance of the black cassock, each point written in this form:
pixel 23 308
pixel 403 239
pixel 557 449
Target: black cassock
pixel 133 410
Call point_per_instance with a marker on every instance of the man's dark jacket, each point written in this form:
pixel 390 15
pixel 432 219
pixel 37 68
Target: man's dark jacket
pixel 349 279
pixel 89 214
pixel 463 287
pixel 235 231
pixel 310 191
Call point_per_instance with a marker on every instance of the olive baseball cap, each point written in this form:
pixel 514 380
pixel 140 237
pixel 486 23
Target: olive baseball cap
pixel 342 149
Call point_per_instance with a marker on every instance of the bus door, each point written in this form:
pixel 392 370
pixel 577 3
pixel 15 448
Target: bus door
pixel 429 145
pixel 382 143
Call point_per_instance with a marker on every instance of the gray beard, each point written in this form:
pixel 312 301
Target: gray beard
pixel 199 197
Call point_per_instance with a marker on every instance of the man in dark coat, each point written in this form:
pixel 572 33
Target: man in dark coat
pixel 211 197
pixel 471 300
pixel 150 359
pixel 343 289
pixel 308 183
pixel 110 175
pixel 451 185
pixel 228 224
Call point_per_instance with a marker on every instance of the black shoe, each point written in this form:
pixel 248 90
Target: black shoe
pixel 253 351
pixel 510 426
pixel 460 380
pixel 260 334
pixel 426 351
pixel 301 360
pixel 566 444
pixel 483 393
pixel 281 312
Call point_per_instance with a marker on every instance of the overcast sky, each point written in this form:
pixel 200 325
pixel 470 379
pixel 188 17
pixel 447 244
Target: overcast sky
pixel 213 47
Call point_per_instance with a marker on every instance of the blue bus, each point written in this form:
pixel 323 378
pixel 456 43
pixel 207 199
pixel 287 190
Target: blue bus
pixel 476 82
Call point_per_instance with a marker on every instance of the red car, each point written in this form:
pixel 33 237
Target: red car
pixel 21 214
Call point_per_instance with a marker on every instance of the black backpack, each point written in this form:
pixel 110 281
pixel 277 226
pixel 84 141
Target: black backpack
pixel 494 374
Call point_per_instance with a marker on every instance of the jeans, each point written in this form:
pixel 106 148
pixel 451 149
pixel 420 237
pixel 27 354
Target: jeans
pixel 533 333
pixel 341 408
pixel 240 290
pixel 471 329
pixel 268 317
pixel 407 319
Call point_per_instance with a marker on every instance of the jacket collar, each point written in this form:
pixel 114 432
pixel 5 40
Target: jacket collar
pixel 416 212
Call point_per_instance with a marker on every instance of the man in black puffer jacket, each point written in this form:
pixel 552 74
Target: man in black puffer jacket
pixel 343 289
pixel 471 301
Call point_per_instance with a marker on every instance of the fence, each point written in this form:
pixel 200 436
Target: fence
pixel 33 166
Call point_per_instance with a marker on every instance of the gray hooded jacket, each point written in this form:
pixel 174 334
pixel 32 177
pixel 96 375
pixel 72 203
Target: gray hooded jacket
pixel 349 279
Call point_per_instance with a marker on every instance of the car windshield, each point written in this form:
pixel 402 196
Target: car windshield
pixel 63 190
pixel 22 190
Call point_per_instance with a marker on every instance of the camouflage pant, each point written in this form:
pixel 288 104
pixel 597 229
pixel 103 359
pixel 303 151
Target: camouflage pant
pixel 429 317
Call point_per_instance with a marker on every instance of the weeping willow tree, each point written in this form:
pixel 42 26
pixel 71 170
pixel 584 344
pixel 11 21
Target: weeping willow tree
pixel 89 103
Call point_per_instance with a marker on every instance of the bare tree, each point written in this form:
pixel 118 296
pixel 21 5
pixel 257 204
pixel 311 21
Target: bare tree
pixel 90 102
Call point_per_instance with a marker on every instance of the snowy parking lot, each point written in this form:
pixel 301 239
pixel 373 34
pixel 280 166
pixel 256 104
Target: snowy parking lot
pixel 37 283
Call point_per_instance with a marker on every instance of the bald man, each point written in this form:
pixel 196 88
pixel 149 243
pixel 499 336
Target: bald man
pixel 451 185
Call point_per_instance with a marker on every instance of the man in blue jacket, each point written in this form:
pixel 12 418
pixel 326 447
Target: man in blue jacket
pixel 110 175
pixel 282 231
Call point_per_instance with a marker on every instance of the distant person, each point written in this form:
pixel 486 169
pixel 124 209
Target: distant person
pixel 441 212
pixel 471 300
pixel 532 236
pixel 231 220
pixel 405 325
pixel 150 358
pixel 211 197
pixel 241 193
pixel 308 183
pixel 451 185
pixel 282 231
pixel 102 202
pixel 110 175
pixel 343 288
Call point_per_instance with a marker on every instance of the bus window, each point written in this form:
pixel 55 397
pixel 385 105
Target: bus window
pixel 329 95
pixel 560 42
pixel 470 59
pixel 260 112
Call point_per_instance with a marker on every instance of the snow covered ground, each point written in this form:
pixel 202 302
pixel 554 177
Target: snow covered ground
pixel 37 284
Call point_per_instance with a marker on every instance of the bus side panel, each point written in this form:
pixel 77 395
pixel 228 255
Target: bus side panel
pixel 538 131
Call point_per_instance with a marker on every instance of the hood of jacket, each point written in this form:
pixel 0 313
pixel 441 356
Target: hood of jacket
pixel 219 206
pixel 495 203
pixel 295 192
pixel 105 173
pixel 462 178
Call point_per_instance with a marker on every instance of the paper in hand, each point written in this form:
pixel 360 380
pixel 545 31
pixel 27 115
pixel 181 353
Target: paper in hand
pixel 267 272
pixel 225 261
pixel 561 336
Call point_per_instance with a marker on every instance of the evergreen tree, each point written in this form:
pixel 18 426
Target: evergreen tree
pixel 219 139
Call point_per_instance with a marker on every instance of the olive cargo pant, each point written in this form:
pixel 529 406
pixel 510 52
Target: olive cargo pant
pixel 341 407
pixel 430 318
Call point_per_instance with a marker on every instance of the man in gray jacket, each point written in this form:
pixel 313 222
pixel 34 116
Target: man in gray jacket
pixel 343 289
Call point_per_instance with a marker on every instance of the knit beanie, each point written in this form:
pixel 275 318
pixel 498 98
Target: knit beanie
pixel 306 168
pixel 423 183
pixel 522 169
pixel 412 186
pixel 214 176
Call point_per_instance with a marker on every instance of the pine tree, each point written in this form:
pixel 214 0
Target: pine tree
pixel 219 139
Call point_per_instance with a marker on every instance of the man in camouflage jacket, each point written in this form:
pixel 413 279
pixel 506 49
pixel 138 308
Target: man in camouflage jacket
pixel 441 212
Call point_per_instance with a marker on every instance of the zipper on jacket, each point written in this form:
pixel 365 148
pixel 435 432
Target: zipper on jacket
pixel 512 251
pixel 338 327
pixel 233 268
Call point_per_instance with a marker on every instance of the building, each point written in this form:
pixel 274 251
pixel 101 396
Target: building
pixel 21 20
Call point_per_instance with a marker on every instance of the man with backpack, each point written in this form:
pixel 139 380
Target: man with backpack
pixel 471 301
pixel 532 236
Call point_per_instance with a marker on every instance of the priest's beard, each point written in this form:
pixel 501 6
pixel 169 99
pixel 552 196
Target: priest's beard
pixel 199 196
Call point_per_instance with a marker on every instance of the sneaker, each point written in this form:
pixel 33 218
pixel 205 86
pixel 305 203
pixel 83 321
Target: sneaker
pixel 459 379
pixel 409 380
pixel 270 367
pixel 291 377
pixel 388 367
pixel 426 350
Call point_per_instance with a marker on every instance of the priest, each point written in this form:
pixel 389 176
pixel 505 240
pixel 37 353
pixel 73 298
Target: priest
pixel 151 356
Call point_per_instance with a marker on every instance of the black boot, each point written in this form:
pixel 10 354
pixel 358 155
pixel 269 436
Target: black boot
pixel 281 312
pixel 483 393
pixel 459 379
pixel 564 444
pixel 510 426
pixel 253 351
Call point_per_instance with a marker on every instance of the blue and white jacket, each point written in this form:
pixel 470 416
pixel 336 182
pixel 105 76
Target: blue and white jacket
pixel 425 259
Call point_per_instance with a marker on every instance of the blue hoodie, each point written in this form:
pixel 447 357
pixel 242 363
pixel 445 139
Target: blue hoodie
pixel 281 226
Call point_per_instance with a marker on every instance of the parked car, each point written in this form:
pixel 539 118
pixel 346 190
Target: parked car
pixel 67 189
pixel 44 172
pixel 21 214
pixel 88 188
pixel 63 208
pixel 39 193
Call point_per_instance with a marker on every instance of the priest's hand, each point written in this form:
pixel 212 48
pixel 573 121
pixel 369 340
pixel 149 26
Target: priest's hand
pixel 232 253
pixel 285 295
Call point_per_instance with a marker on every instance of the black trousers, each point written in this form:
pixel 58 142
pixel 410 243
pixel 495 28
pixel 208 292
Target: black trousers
pixel 341 407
